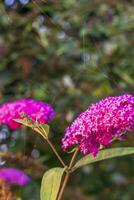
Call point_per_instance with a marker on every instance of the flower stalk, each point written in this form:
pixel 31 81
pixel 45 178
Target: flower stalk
pixel 67 174
pixel 55 152
pixel 44 134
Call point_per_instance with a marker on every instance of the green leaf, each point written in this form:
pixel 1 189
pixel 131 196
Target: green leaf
pixel 51 183
pixel 45 128
pixel 26 121
pixel 23 122
pixel 71 151
pixel 104 154
pixel 42 129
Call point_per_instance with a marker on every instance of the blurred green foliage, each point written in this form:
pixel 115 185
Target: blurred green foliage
pixel 70 54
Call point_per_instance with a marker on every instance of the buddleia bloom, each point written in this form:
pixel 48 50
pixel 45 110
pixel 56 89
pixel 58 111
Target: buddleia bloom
pixel 36 110
pixel 14 176
pixel 101 123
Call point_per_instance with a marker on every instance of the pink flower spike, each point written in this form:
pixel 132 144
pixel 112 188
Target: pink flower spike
pixel 14 176
pixel 36 110
pixel 100 123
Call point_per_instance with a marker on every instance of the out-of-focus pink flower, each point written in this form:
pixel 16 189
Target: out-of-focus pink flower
pixel 100 123
pixel 36 110
pixel 14 176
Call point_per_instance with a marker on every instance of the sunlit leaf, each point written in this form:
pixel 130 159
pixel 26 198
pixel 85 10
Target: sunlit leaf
pixel 51 183
pixel 45 128
pixel 25 121
pixel 103 155
pixel 42 129
pixel 71 151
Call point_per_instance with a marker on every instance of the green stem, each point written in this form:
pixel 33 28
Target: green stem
pixel 50 144
pixel 55 152
pixel 67 174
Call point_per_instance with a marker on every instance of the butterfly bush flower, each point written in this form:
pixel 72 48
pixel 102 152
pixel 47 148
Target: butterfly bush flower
pixel 14 176
pixel 36 110
pixel 101 123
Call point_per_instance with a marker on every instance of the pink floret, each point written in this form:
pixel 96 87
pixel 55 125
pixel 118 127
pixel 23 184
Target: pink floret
pixel 100 123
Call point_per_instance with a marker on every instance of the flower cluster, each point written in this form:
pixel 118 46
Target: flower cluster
pixel 42 112
pixel 14 176
pixel 100 124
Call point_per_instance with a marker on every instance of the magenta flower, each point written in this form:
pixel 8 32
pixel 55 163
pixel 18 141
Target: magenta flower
pixel 100 124
pixel 36 110
pixel 14 176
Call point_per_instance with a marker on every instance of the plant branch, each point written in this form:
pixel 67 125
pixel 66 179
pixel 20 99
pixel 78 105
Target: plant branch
pixel 67 174
pixel 55 152
pixel 43 133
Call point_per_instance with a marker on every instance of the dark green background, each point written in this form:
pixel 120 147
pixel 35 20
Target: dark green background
pixel 69 53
